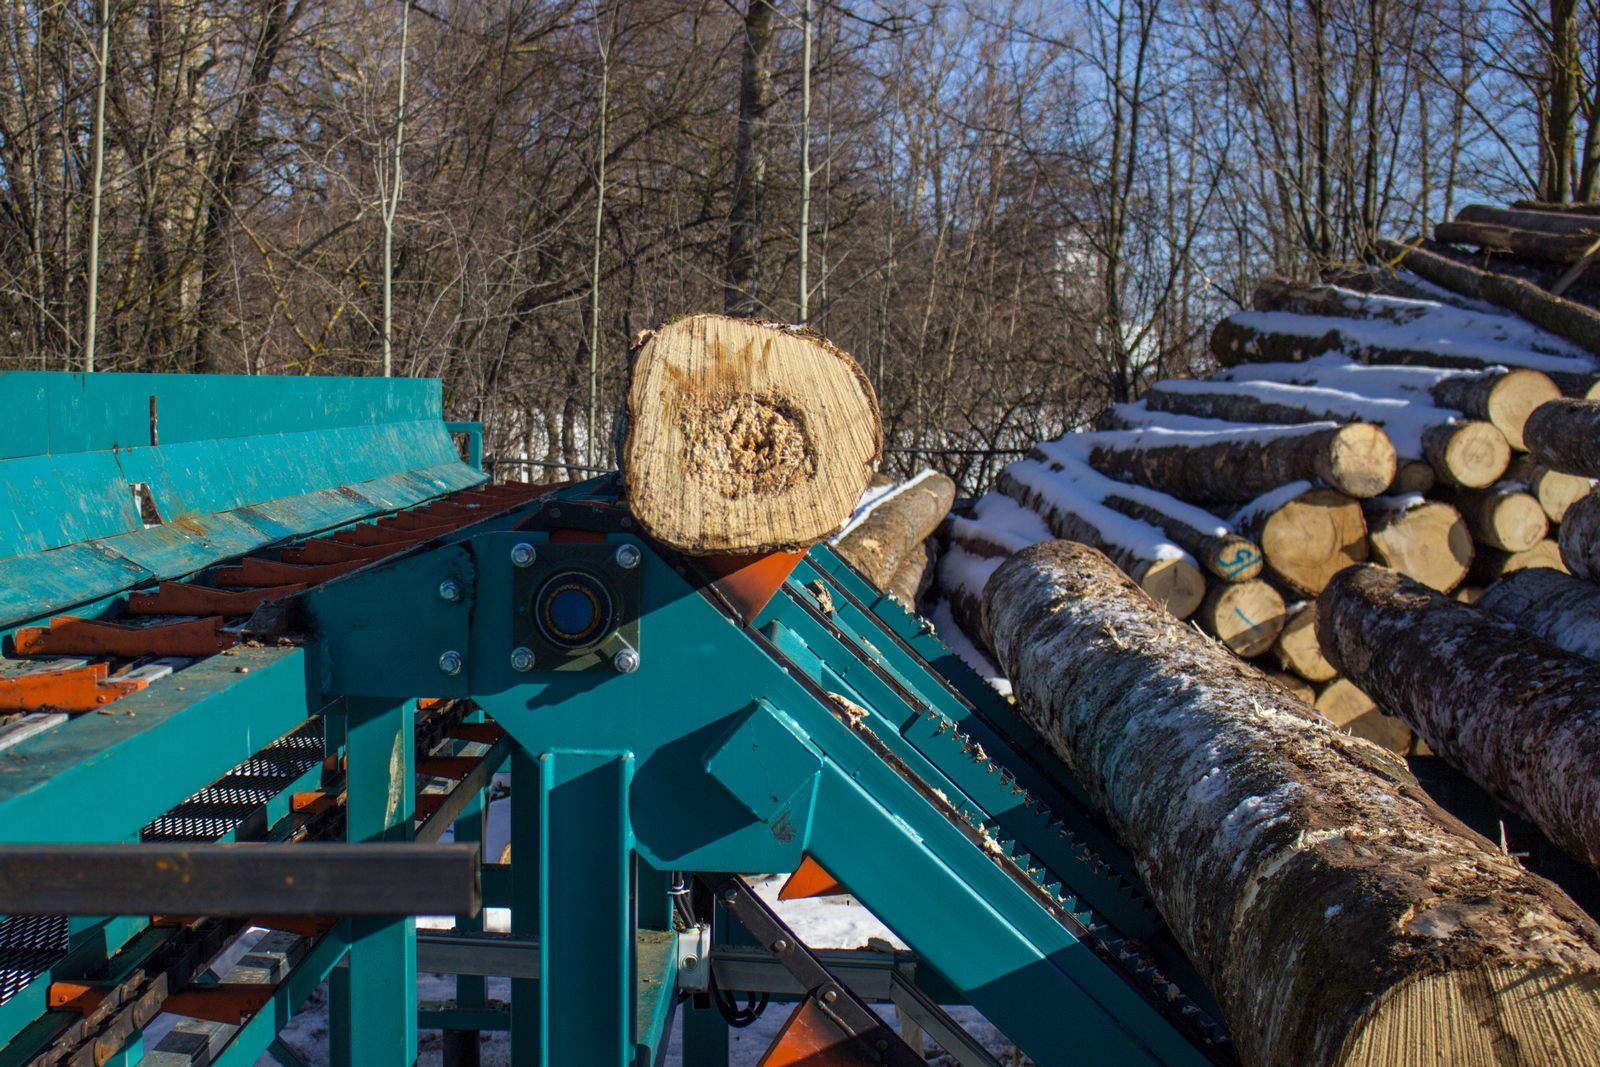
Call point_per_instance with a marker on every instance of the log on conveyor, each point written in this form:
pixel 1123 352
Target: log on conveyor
pixel 1567 318
pixel 912 578
pixel 1580 538
pixel 1461 451
pixel 895 527
pixel 1564 435
pixel 1207 538
pixel 1559 608
pixel 745 437
pixel 1236 466
pixel 1515 241
pixel 1520 716
pixel 1336 912
pixel 1306 535
pixel 1422 539
pixel 1504 517
pixel 1162 569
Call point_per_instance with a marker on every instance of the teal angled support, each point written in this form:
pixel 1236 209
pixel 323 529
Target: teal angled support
pixel 374 1018
pixel 461 1047
pixel 586 933
pixel 474 435
pixel 525 896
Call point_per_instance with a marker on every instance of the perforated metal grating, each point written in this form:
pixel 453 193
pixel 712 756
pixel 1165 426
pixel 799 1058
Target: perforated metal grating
pixel 29 946
pixel 236 796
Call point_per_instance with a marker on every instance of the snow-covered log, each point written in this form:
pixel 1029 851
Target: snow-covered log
pixel 1162 569
pixel 1580 538
pixel 1235 466
pixel 745 437
pixel 1334 910
pixel 1464 452
pixel 1559 608
pixel 1422 539
pixel 1207 538
pixel 1520 716
pixel 895 528
pixel 1564 435
pixel 1306 535
pixel 1567 318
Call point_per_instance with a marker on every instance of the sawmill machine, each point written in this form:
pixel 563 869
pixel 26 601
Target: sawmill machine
pixel 272 645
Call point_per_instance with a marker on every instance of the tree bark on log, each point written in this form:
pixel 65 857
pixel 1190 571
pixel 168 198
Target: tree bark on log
pixel 1491 564
pixel 1326 301
pixel 1177 584
pixel 1542 222
pixel 1514 241
pixel 1559 608
pixel 1358 460
pixel 912 578
pixel 1245 616
pixel 1580 538
pixel 1335 911
pixel 1310 539
pixel 1520 716
pixel 1233 343
pixel 1569 319
pixel 894 530
pixel 1296 648
pixel 1298 688
pixel 1344 704
pixel 1430 542
pixel 1503 517
pixel 1576 386
pixel 745 437
pixel 1564 435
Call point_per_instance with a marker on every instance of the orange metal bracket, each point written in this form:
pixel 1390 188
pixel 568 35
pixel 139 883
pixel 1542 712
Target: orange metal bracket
pixel 222 1002
pixel 750 581
pixel 487 733
pixel 811 1039
pixel 68 635
pixel 73 690
pixel 182 598
pixel 253 570
pixel 810 880
pixel 82 997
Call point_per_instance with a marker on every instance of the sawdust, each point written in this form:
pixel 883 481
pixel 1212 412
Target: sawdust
pixel 748 445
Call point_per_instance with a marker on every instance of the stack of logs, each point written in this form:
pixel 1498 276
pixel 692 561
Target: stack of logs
pixel 1384 419
pixel 889 539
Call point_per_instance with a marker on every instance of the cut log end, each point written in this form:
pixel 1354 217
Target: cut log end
pixel 1543 1016
pixel 1470 454
pixel 1514 397
pixel 1312 538
pixel 1412 476
pixel 1430 543
pixel 1360 460
pixel 1344 704
pixel 1175 584
pixel 1245 616
pixel 745 437
pixel 1297 649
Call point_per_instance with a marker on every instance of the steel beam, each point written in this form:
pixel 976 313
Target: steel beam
pixel 243 880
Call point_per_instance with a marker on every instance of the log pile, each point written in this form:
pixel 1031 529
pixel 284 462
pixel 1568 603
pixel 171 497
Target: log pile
pixel 889 539
pixel 1424 432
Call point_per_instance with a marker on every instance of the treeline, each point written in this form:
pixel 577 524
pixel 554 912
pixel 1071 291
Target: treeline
pixel 1015 211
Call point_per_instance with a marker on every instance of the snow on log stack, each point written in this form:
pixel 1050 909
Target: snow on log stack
pixel 888 539
pixel 1384 420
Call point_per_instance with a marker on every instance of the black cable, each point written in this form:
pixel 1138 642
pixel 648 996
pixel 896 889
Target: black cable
pixel 736 1017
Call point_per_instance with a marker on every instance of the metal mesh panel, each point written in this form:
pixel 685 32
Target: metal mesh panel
pixel 29 945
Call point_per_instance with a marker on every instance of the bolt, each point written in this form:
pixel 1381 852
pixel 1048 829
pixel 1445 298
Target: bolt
pixel 555 513
pixel 830 995
pixel 779 945
pixel 729 896
pixel 627 556
pixel 882 1046
pixel 450 663
pixel 689 962
pixel 522 659
pixel 523 554
pixel 626 661
pixel 450 590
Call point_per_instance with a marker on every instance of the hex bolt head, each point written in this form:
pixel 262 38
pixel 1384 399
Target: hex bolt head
pixel 628 556
pixel 523 659
pixel 729 896
pixel 780 944
pixel 450 590
pixel 830 995
pixel 451 662
pixel 626 661
pixel 523 554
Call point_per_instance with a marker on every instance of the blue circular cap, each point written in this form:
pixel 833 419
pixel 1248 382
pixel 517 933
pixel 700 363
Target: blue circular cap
pixel 572 611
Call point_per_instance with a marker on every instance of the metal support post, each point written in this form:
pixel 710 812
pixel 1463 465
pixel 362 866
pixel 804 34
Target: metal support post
pixel 525 900
pixel 705 1035
pixel 374 1018
pixel 586 935
pixel 462 1047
